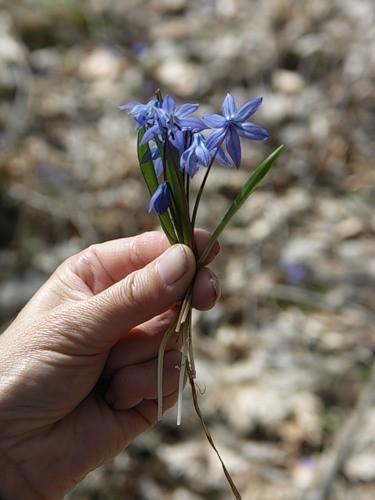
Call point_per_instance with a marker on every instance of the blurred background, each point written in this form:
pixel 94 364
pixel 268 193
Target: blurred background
pixel 285 356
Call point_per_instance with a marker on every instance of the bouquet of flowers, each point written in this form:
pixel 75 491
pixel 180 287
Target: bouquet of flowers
pixel 172 146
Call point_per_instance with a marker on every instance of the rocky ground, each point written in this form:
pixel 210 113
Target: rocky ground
pixel 288 351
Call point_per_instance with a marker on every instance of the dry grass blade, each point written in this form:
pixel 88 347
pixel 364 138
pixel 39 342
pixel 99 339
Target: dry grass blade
pixel 332 462
pixel 234 489
pixel 184 353
pixel 163 343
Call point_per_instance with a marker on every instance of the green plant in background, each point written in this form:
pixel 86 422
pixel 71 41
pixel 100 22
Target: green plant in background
pixel 173 145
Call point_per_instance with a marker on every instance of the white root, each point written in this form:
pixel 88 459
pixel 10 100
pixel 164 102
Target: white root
pixel 181 380
pixel 161 352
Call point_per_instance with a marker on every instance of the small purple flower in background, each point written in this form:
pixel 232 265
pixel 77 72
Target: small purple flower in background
pixel 295 273
pixel 161 199
pixel 231 126
pixel 139 48
pixel 195 155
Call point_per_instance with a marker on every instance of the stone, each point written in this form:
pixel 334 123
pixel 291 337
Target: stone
pixel 287 82
pixel 183 77
pixel 101 63
pixel 360 466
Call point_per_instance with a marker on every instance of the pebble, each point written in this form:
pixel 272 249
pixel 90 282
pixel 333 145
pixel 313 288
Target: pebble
pixel 287 82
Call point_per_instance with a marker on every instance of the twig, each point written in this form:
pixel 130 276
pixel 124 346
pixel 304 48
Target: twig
pixel 17 120
pixel 333 461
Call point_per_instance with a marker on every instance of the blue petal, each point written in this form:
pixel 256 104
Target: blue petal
pixel 248 109
pixel 158 165
pixel 221 157
pixel 229 107
pixel 128 105
pixel 188 161
pixel 154 152
pixel 169 104
pixel 234 146
pixel 214 121
pixel 216 138
pixel 139 109
pixel 161 199
pixel 178 141
pixel 162 117
pixel 193 169
pixel 148 156
pixel 185 158
pixel 150 134
pixel 252 131
pixel 202 153
pixel 186 109
pixel 193 123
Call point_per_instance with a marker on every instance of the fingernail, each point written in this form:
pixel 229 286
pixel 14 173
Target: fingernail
pixel 215 284
pixel 173 264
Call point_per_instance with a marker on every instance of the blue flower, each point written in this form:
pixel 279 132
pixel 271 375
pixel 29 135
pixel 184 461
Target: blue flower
pixel 161 199
pixel 231 126
pixel 160 117
pixel 180 139
pixel 179 142
pixel 144 114
pixel 174 118
pixel 158 162
pixel 195 155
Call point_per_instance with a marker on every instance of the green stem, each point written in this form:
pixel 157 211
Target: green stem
pixel 200 192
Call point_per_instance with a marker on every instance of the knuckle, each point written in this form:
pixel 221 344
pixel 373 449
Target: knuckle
pixel 83 265
pixel 131 290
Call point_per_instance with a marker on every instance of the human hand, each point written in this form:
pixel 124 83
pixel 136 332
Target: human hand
pixel 78 365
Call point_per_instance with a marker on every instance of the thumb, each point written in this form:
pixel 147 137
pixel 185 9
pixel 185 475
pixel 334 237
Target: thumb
pixel 137 298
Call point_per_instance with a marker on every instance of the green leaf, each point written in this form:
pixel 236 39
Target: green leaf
pixel 151 180
pixel 240 199
pixel 180 209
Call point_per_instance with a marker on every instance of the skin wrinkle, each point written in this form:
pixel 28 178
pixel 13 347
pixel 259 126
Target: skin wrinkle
pixel 70 287
pixel 149 422
pixel 90 260
pixel 74 321
pixel 151 330
pixel 128 375
pixel 59 455
pixel 130 291
pixel 94 251
pixel 135 256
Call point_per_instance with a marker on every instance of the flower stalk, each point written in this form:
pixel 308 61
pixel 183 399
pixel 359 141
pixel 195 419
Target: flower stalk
pixel 173 146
